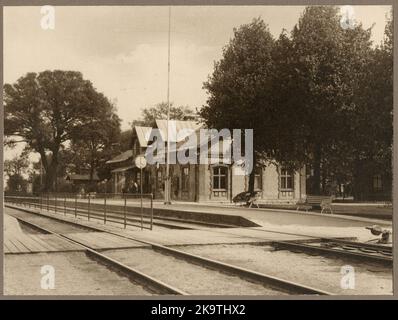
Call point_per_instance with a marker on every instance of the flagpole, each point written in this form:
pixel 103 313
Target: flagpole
pixel 167 185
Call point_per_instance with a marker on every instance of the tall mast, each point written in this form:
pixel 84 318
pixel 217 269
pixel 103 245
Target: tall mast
pixel 167 184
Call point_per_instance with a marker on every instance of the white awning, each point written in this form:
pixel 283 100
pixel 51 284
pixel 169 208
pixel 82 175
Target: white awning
pixel 122 169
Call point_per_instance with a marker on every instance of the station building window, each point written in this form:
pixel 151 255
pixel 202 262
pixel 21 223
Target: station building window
pixel 220 181
pixel 286 179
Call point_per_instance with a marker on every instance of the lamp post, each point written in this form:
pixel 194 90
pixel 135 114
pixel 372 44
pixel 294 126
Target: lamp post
pixel 140 163
pixel 167 182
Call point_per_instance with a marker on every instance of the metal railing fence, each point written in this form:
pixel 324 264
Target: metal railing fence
pixel 122 208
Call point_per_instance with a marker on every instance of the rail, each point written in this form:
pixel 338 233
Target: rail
pixel 250 275
pixel 92 206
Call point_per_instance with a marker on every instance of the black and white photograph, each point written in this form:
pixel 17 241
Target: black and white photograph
pixel 208 150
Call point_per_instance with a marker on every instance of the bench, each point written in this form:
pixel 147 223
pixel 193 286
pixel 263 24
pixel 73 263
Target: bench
pixel 247 198
pixel 324 202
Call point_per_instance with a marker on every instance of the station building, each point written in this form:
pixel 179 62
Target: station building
pixel 213 182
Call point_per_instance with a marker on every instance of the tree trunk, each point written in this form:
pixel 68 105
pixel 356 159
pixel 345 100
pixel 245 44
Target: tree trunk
pixel 357 181
pixel 316 186
pixel 51 174
pixel 44 169
pixel 50 178
pixel 323 181
pixel 252 175
pixel 91 182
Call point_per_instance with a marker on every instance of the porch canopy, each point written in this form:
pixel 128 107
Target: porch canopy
pixel 122 169
pixel 121 157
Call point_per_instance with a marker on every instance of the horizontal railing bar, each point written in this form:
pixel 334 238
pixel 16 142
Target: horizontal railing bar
pixel 86 206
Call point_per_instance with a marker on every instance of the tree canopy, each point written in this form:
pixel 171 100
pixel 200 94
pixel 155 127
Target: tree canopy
pixel 320 96
pixel 239 88
pixel 159 111
pixel 49 108
pixel 15 169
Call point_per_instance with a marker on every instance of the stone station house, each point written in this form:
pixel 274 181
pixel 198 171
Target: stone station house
pixel 214 182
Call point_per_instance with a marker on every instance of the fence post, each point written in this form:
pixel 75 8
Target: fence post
pixel 142 209
pixel 55 200
pixel 76 205
pixel 88 207
pixel 125 214
pixel 47 202
pixel 105 208
pixel 151 210
pixel 141 195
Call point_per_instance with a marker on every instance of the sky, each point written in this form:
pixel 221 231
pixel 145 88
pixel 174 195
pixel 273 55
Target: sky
pixel 123 50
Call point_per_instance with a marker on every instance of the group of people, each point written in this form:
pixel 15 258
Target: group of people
pixel 131 187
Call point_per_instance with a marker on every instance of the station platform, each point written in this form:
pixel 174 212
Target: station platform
pixel 276 220
pixel 262 214
pixel 16 240
pixel 99 239
pixel 274 226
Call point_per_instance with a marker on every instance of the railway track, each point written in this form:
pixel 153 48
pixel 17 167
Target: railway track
pixel 249 277
pixel 349 249
pixel 364 252
pixel 131 273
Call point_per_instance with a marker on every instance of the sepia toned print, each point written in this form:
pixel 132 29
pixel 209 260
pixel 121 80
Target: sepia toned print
pixel 199 151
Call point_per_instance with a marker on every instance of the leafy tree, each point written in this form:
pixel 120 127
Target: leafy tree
pixel 159 111
pixel 17 183
pixel 315 87
pixel 239 89
pixel 92 146
pixel 125 140
pixel 317 56
pixel 18 165
pixel 15 169
pixel 373 115
pixel 47 109
pixel 321 96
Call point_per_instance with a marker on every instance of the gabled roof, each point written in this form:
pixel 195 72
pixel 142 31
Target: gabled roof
pixel 196 143
pixel 143 134
pixel 121 157
pixel 178 129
